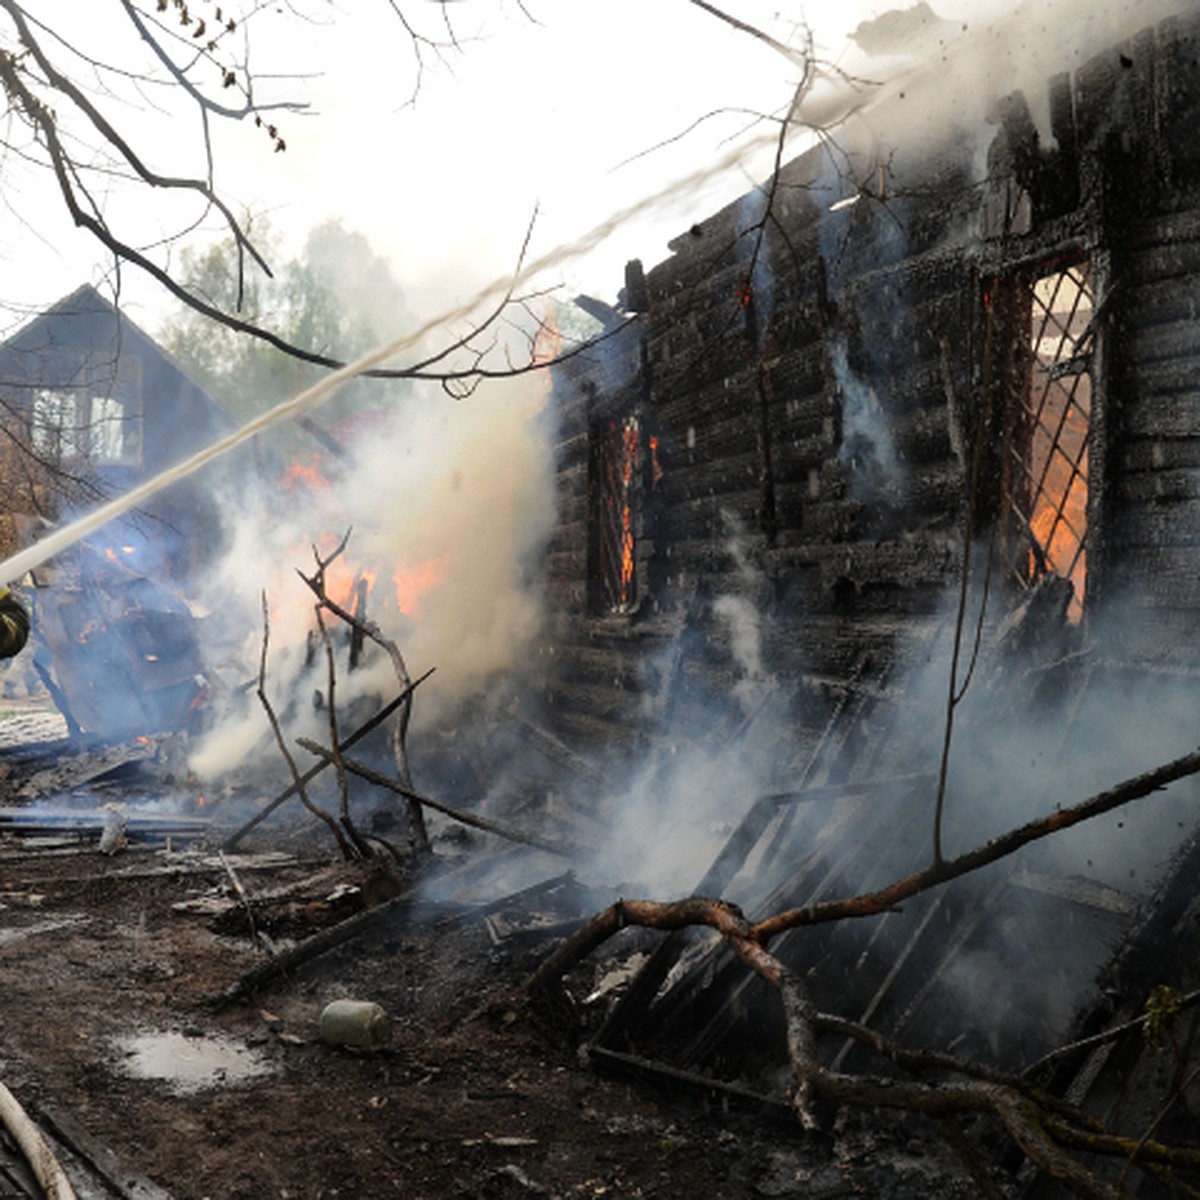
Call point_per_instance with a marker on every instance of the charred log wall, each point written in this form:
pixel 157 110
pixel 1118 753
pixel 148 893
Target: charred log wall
pixel 805 374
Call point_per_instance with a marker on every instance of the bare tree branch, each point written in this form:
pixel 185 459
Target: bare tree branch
pixel 298 781
pixel 417 831
pixel 789 52
pixel 1000 847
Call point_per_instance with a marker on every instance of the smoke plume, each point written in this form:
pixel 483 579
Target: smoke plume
pixel 447 506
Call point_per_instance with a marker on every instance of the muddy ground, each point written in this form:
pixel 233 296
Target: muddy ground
pixel 476 1095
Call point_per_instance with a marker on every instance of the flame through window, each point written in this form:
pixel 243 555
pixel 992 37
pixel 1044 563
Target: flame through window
pixel 615 457
pixel 1049 431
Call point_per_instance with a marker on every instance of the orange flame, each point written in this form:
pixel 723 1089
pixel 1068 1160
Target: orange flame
pixel 305 473
pixel 413 582
pixel 629 445
pixel 656 468
pixel 342 582
pixel 1064 492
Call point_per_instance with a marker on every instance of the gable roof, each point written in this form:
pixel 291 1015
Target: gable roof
pixel 88 322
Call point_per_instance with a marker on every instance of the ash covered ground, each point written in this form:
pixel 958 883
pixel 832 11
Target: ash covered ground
pixel 477 1095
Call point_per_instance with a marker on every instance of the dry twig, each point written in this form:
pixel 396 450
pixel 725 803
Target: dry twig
pixel 298 780
pixel 418 835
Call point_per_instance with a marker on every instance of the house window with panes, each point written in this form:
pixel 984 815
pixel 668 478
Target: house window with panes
pixel 1047 319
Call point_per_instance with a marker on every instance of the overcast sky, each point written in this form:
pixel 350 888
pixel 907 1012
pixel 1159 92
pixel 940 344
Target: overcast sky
pixel 538 108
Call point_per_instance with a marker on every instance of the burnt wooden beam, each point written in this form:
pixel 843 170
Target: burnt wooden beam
pixel 954 943
pixel 892 974
pixel 324 438
pixel 819 872
pixel 117 1176
pixel 555 749
pixel 65 820
pixel 648 1069
pixel 71 771
pixel 252 981
pixel 725 866
pixel 1087 893
pixel 292 789
pixel 508 832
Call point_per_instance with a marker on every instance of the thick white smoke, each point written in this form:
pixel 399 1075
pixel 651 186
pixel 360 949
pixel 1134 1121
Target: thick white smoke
pixel 899 99
pixel 447 505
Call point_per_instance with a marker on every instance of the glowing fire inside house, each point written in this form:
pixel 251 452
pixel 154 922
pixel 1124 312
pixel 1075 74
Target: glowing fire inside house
pixel 629 441
pixel 615 472
pixel 1061 395
pixel 305 473
pixel 1049 430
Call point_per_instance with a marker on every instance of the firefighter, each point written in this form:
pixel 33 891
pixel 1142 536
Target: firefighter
pixel 14 624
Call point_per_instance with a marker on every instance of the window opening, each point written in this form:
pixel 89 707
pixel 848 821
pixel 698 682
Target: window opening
pixel 1049 432
pixel 107 430
pixel 71 425
pixel 616 462
pixel 57 428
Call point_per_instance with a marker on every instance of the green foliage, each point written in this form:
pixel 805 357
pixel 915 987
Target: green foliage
pixel 338 298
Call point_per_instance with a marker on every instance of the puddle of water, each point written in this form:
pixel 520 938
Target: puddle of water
pixel 190 1064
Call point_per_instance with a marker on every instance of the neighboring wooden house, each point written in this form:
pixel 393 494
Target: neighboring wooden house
pixel 766 471
pixel 91 406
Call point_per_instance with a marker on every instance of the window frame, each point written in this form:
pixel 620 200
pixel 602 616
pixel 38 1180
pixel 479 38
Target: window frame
pixel 1009 360
pixel 617 454
pixel 75 434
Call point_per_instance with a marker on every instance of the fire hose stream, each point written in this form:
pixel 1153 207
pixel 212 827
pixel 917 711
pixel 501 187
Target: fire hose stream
pixel 14 567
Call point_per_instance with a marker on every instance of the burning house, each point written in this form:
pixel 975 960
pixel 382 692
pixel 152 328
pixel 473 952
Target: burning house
pixel 806 383
pixel 877 501
pixel 872 562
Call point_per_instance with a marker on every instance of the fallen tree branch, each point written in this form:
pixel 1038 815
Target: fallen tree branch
pixel 872 903
pixel 1049 1131
pixel 25 1133
pixel 465 818
pixel 292 789
pixel 696 910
